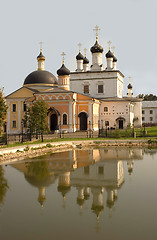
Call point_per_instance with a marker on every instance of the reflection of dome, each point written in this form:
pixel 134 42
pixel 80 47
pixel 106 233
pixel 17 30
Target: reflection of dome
pixel 63 71
pixel 80 201
pixel 40 182
pixel 64 190
pixel 40 77
pixel 97 209
pixel 109 204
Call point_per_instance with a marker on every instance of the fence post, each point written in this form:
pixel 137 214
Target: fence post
pixel 60 129
pixel 6 138
pixel 99 128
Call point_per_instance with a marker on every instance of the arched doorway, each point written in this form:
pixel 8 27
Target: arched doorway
pixel 83 120
pixel 120 124
pixel 53 122
pixel 53 115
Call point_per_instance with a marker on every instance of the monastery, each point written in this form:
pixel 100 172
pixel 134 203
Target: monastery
pixel 90 97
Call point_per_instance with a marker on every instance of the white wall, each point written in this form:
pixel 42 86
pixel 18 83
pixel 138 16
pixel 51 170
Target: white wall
pixel 111 81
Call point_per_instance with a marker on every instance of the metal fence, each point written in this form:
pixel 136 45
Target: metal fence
pixel 62 133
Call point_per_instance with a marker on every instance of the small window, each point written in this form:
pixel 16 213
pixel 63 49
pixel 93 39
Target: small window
pixel 64 119
pixel 151 111
pixel 143 118
pixel 143 112
pixel 24 107
pixel 86 88
pixel 101 170
pixel 14 107
pixel 106 123
pixel 151 119
pixel 86 170
pixel 100 89
pixel 14 124
pixel 105 109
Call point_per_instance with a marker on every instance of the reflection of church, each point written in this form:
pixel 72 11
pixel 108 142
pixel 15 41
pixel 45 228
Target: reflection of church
pixel 95 174
pixel 77 100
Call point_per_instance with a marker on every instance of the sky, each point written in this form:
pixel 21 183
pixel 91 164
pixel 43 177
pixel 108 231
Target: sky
pixel 129 24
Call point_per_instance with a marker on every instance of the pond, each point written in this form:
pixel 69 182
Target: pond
pixel 106 193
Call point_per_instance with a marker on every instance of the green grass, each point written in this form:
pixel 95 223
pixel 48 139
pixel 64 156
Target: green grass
pixel 151 131
pixel 120 134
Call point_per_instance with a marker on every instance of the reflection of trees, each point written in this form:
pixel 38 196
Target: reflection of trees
pixel 3 185
pixel 38 169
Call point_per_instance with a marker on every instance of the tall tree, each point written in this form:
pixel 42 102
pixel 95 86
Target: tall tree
pixel 35 118
pixel 3 109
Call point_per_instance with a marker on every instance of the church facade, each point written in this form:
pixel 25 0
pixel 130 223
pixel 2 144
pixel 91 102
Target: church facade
pixel 87 98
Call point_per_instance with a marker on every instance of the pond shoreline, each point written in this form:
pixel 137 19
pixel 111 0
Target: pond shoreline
pixel 18 153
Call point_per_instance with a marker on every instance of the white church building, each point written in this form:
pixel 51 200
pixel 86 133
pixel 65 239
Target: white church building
pixel 105 83
pixel 90 97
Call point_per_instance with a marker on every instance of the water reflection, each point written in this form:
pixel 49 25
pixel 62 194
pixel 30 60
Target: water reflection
pixel 3 186
pixel 93 173
pixel 82 193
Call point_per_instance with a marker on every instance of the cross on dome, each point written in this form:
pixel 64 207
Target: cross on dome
pixel 96 29
pixel 41 46
pixel 79 45
pixel 113 48
pixel 129 79
pixel 63 55
pixel 85 50
pixel 109 43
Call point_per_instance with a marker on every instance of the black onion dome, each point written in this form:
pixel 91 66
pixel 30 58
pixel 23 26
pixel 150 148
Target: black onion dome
pixel 40 56
pixel 114 59
pixel 85 60
pixel 63 71
pixel 40 77
pixel 96 48
pixel 129 86
pixel 79 56
pixel 109 54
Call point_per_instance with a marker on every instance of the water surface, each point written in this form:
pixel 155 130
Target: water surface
pixel 81 194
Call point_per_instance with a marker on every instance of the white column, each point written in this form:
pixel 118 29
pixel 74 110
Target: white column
pixel 109 63
pixel 19 117
pixel 70 116
pixel 80 65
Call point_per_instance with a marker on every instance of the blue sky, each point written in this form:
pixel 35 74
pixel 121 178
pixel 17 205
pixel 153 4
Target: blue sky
pixel 61 25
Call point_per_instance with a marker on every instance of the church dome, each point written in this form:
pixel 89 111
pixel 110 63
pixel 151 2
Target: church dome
pixel 109 54
pixel 96 48
pixel 79 56
pixel 63 71
pixel 129 86
pixel 40 77
pixel 114 59
pixel 85 60
pixel 40 56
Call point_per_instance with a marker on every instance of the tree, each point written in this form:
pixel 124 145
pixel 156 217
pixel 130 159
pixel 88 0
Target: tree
pixel 35 118
pixel 3 185
pixel 3 109
pixel 148 97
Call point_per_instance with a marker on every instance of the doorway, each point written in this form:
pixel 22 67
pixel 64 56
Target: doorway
pixel 120 124
pixel 83 121
pixel 53 122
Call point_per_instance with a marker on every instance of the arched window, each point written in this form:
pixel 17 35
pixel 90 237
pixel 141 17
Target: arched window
pixel 105 109
pixel 64 119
